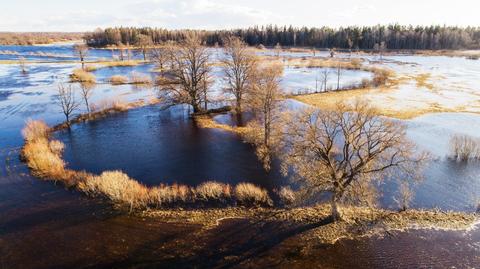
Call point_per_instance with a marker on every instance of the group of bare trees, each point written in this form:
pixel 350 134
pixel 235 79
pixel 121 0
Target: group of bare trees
pixel 69 102
pixel 346 152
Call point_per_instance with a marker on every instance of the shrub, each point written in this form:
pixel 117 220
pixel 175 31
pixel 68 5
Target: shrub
pixel 118 187
pixel 118 80
pixel 80 75
pixel 380 77
pixel 286 195
pixel 34 129
pixel 213 192
pixel 251 195
pixel 464 147
pixel 165 195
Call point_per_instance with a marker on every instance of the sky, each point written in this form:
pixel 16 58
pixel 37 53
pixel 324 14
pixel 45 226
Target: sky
pixel 87 15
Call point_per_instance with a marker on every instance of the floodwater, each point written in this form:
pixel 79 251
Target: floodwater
pixel 43 225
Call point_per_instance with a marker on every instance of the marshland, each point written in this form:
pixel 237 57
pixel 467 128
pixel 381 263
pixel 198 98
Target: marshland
pixel 260 147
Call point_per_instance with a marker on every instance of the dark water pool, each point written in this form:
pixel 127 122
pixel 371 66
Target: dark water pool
pixel 155 146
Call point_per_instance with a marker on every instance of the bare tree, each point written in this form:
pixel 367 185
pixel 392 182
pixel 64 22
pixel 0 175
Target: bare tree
pixel 324 75
pixel 405 196
pixel 338 72
pixel 144 42
pixel 347 153
pixel 159 55
pixel 239 65
pixel 22 64
pixel 81 50
pixel 66 100
pixel 278 49
pixel 86 91
pixel 264 101
pixel 188 70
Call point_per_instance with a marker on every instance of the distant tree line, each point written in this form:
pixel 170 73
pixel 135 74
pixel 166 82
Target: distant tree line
pixel 391 36
pixel 12 38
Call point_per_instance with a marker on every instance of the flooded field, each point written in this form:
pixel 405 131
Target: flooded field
pixel 42 224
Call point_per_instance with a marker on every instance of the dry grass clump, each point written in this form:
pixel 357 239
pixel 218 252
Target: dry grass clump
pixel 250 195
pixel 119 63
pixel 464 147
pixel 137 78
pixel 118 80
pixel 167 196
pixel 213 191
pixel 381 77
pixel 117 187
pixel 80 75
pixel 42 155
pixel 34 129
pixel 90 68
pixel 286 195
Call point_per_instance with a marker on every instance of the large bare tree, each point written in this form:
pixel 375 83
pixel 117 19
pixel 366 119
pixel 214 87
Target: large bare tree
pixel 66 100
pixel 187 71
pixel 239 64
pixel 347 152
pixel 81 50
pixel 264 101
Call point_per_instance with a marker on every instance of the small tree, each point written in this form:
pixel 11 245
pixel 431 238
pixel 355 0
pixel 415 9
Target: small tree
pixel 66 100
pixel 339 72
pixel 189 68
pixel 324 75
pixel 239 65
pixel 86 91
pixel 278 49
pixel 81 50
pixel 347 153
pixel 144 42
pixel 264 102
pixel 405 196
pixel 22 65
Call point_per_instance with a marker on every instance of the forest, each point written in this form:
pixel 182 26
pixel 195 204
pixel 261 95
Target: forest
pixel 394 36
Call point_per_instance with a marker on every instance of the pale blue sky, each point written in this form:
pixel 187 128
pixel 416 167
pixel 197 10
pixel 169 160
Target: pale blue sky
pixel 86 15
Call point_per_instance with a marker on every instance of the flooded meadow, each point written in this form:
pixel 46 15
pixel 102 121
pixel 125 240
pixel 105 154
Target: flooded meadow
pixel 44 225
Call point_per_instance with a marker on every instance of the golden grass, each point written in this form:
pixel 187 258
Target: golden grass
pixel 356 221
pixel 251 195
pixel 118 63
pixel 213 191
pixel 118 187
pixel 118 80
pixel 205 121
pixel 422 80
pixel 34 129
pixel 137 78
pixel 80 75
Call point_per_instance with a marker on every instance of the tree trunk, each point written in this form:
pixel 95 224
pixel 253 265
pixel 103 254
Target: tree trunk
pixel 238 107
pixel 335 213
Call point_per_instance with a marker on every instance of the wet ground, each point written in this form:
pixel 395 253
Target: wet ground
pixel 43 225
